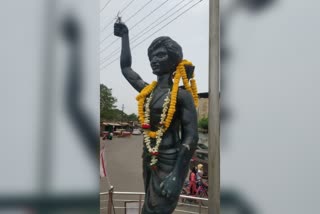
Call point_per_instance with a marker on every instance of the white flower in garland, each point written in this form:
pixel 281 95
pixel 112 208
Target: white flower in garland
pixel 154 151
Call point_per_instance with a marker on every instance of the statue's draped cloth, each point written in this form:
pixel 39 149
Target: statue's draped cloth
pixel 154 202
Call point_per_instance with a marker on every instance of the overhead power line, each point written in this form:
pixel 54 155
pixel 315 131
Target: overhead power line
pixel 120 12
pixel 128 19
pixel 138 22
pixel 143 40
pixel 146 4
pixel 105 5
pixel 112 43
pixel 146 16
pixel 135 37
pixel 109 23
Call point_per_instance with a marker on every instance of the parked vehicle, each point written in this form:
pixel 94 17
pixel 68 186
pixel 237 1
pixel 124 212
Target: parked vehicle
pixel 107 135
pixel 121 133
pixel 136 132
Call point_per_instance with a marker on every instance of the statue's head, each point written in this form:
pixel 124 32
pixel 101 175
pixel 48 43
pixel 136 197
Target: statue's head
pixel 164 55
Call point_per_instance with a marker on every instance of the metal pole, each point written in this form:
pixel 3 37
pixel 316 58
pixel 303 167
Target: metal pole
pixel 122 113
pixel 140 198
pixel 110 202
pixel 214 108
pixel 46 116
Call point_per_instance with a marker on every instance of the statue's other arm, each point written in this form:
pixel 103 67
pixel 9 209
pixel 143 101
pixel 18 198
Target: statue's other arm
pixel 189 130
pixel 121 30
pixel 170 187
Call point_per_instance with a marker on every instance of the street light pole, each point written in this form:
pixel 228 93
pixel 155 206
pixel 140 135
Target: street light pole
pixel 214 107
pixel 122 113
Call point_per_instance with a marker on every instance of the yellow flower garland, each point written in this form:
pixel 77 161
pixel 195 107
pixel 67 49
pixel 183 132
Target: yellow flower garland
pixel 192 88
pixel 141 98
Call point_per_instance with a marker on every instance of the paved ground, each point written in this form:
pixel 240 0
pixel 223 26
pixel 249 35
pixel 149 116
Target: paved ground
pixel 124 163
pixel 124 166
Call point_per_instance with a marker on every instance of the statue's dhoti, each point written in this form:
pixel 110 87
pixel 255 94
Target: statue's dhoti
pixel 155 202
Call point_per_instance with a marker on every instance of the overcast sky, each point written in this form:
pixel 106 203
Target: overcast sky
pixel 190 30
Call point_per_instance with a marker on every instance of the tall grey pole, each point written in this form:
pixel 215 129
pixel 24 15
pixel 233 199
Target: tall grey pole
pixel 46 115
pixel 214 107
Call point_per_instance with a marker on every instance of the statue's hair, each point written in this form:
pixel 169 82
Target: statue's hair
pixel 173 48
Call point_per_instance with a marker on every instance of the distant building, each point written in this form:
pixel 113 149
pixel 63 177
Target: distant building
pixel 202 110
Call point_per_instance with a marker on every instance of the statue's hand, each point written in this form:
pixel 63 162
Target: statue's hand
pixel 120 29
pixel 170 186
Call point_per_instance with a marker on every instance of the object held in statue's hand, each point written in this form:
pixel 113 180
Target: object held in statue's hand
pixel 189 71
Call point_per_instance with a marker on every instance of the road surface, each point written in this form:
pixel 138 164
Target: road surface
pixel 124 168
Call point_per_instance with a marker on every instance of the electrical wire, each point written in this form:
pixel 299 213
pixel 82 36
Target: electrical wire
pixel 110 44
pixel 154 33
pixel 113 42
pixel 167 24
pixel 128 19
pixel 136 37
pixel 146 4
pixel 109 23
pixel 105 6
pixel 120 12
pixel 143 18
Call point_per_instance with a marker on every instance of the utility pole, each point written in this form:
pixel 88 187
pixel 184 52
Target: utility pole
pixel 45 139
pixel 122 114
pixel 214 108
pixel 47 118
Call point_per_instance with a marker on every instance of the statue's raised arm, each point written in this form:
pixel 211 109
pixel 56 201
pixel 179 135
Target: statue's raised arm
pixel 121 30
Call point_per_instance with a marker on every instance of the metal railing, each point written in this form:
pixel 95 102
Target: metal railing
pixel 182 207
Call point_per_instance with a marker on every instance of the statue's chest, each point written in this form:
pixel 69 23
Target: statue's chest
pixel 157 102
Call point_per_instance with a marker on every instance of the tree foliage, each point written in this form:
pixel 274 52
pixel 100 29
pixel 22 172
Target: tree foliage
pixel 203 123
pixel 132 117
pixel 108 110
pixel 107 102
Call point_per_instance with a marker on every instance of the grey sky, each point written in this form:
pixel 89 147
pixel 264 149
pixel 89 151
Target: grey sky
pixel 190 31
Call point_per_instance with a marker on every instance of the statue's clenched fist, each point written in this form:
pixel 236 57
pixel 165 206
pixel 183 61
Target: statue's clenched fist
pixel 120 29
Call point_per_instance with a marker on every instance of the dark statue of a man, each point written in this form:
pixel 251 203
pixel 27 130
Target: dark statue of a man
pixel 169 117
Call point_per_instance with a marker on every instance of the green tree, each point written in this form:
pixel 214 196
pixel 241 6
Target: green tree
pixel 116 115
pixel 132 117
pixel 203 123
pixel 107 102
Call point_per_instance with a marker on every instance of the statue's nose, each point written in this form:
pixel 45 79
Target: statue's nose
pixel 154 59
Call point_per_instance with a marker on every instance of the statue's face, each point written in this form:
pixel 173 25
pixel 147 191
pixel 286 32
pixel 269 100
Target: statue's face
pixel 159 61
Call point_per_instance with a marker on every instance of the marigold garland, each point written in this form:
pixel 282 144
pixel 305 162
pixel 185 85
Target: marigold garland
pixel 167 111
